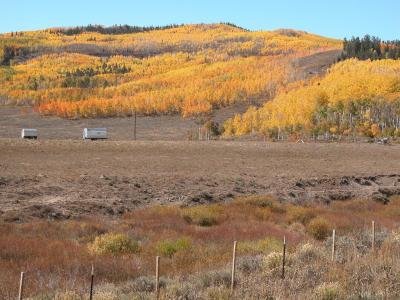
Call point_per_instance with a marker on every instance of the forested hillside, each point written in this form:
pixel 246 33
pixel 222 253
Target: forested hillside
pixel 188 69
pixel 354 98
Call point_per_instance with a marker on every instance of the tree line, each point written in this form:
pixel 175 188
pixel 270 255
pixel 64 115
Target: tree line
pixel 115 29
pixel 370 48
pixel 123 29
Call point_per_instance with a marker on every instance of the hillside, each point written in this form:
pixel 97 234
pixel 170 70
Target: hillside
pixel 353 98
pixel 188 70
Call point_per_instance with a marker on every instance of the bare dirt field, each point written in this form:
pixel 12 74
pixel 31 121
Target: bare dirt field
pixel 13 119
pixel 59 179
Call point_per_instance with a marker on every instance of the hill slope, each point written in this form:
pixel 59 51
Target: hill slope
pixel 354 97
pixel 190 69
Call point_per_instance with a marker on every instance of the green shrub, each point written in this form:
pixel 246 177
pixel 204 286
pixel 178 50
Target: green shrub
pixel 169 248
pixel 205 215
pixel 319 228
pixel 114 244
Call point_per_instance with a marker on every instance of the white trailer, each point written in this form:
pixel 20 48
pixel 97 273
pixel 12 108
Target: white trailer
pixel 29 133
pixel 94 133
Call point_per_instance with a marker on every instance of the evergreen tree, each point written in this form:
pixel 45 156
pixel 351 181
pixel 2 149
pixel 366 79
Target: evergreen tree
pixel 370 48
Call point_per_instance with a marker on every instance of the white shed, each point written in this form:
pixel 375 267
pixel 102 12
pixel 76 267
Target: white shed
pixel 95 133
pixel 29 133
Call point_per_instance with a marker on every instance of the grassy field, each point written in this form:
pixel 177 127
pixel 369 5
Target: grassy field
pixel 195 246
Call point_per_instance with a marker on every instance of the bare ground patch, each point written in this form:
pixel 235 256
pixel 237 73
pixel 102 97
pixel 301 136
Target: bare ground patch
pixel 68 179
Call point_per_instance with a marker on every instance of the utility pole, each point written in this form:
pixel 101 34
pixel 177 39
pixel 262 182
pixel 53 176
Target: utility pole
pixel 134 125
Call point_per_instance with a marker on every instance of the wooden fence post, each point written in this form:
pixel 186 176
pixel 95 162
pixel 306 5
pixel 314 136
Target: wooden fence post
pixel 91 283
pixel 21 286
pixel 283 257
pixel 373 236
pixel 233 266
pixel 157 277
pixel 333 244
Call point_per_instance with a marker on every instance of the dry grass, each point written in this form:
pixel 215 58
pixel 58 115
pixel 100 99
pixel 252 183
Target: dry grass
pixel 56 255
pixel 309 275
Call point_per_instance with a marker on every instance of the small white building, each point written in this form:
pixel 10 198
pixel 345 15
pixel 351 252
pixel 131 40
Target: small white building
pixel 95 133
pixel 29 133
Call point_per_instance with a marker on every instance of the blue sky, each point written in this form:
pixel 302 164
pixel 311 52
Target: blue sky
pixel 330 18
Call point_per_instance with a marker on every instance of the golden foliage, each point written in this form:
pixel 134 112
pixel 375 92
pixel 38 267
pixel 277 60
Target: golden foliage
pixel 188 70
pixel 319 228
pixel 113 244
pixel 354 95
